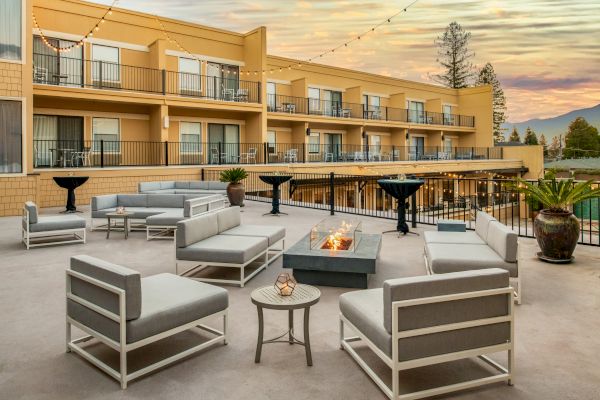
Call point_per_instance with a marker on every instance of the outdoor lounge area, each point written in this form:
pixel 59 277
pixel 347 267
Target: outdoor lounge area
pixel 555 345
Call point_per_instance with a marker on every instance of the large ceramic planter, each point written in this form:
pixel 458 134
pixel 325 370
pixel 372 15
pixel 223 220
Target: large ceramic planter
pixel 236 193
pixel 557 234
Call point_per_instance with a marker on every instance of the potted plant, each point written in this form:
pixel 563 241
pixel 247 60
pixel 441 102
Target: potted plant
pixel 235 189
pixel 555 227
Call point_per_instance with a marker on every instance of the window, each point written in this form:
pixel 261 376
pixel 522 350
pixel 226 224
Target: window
pixel 416 111
pixel 105 64
pixel 375 144
pixel 190 137
pixel 108 130
pixel 50 67
pixel 11 134
pixel 447 110
pixel 448 144
pixel 271 96
pixel 189 76
pixel 314 141
pixel 314 104
pixel 271 142
pixel 11 28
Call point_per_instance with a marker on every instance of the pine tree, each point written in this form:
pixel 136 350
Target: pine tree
pixel 544 144
pixel 454 56
pixel 582 140
pixel 554 148
pixel 514 136
pixel 487 76
pixel 530 137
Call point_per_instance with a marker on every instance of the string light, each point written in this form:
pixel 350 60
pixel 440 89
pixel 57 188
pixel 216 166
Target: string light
pixel 76 44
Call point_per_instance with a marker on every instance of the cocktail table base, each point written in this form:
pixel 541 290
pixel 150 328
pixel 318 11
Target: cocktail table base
pixel 355 280
pixel 400 232
pixel 277 214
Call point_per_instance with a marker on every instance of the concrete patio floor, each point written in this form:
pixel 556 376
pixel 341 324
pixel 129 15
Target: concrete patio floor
pixel 557 328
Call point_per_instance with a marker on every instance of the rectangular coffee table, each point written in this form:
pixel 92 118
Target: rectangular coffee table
pixel 334 268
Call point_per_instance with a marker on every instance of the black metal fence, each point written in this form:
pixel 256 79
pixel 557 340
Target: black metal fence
pixel 438 198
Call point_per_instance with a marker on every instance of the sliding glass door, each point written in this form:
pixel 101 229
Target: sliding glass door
pixel 224 143
pixel 55 139
pixel 52 68
pixel 11 136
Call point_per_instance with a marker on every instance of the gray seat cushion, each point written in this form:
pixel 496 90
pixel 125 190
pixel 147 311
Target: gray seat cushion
pixel 132 200
pixel 482 223
pixel 168 301
pixel 168 218
pixel 103 202
pixel 198 184
pixel 217 185
pixel 224 249
pixel 165 201
pixel 182 184
pixel 194 230
pixel 228 218
pixel 56 223
pixel 446 257
pixel 148 186
pixel 452 237
pixel 364 310
pixel 32 209
pixel 167 184
pixel 503 240
pixel 271 232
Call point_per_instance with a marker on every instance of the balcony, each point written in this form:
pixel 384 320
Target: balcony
pixel 307 106
pixel 77 73
pixel 104 153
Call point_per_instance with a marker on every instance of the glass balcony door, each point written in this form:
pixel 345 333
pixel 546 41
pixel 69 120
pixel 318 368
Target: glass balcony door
pixel 332 103
pixel 333 148
pixel 52 68
pixel 416 112
pixel 56 138
pixel 417 147
pixel 224 143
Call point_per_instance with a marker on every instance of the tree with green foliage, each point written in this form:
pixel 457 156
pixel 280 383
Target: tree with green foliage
pixel 544 144
pixel 487 76
pixel 530 137
pixel 554 148
pixel 455 57
pixel 582 140
pixel 514 136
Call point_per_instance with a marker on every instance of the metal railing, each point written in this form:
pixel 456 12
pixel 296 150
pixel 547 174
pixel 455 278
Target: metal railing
pixel 74 72
pixel 327 108
pixel 438 198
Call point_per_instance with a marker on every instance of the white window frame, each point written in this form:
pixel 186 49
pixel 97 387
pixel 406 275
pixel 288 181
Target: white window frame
pixel 318 144
pixel 272 97
pixel 118 63
pixel 24 161
pixel 182 149
pixel 272 143
pixel 23 59
pixel 97 149
pixel 183 87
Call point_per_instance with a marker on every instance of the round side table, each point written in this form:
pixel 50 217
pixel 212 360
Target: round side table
pixel 304 296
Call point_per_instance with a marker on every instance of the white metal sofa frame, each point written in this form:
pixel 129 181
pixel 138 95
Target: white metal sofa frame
pixel 506 373
pixel 79 234
pixel 122 346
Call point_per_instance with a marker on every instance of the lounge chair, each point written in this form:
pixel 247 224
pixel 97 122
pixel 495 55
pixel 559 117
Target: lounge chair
pixel 52 230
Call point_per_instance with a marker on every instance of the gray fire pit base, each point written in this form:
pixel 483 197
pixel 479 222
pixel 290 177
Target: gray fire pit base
pixel 339 269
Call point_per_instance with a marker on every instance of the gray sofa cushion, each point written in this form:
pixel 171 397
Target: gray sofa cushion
pixel 182 185
pixel 104 201
pixel 56 223
pixel 482 223
pixel 112 274
pixel 169 201
pixel 216 185
pixel 167 185
pixel 168 301
pixel 132 200
pixel 444 258
pixel 198 185
pixel 452 237
pixel 31 208
pixel 229 218
pixel 196 229
pixel 503 241
pixel 223 249
pixel 148 186
pixel 168 218
pixel 273 233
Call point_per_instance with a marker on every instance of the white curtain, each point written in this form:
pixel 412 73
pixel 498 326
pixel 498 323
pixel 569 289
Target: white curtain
pixel 10 29
pixel 45 136
pixel 10 136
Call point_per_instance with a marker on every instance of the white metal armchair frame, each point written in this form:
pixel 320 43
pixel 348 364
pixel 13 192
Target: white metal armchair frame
pixel 505 374
pixel 121 345
pixel 249 156
pixel 36 239
pixel 291 155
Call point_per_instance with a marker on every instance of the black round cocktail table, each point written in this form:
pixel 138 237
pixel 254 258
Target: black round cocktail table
pixel 401 190
pixel 70 183
pixel 275 181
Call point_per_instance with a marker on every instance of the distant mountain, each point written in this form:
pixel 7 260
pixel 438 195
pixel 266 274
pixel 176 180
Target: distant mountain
pixel 556 125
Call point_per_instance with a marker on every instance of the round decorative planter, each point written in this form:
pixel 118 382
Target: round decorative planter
pixel 236 193
pixel 557 234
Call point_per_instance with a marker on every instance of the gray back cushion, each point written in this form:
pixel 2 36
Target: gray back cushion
pixel 31 208
pixel 147 186
pixel 112 274
pixel 482 222
pixel 503 241
pixel 193 230
pixel 203 185
pixel 229 218
pixel 132 200
pixel 103 202
pixel 442 284
pixel 167 184
pixel 182 185
pixel 165 200
pixel 216 185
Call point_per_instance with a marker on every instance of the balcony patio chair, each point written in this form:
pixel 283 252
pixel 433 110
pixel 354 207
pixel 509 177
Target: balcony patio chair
pixel 40 74
pixel 442 155
pixel 359 156
pixel 376 114
pixel 228 94
pixel 346 113
pixel 85 157
pixel 291 155
pixel 289 108
pixel 248 157
pixel 429 320
pixel 241 95
pixel 216 157
pixel 39 231
pixel 328 157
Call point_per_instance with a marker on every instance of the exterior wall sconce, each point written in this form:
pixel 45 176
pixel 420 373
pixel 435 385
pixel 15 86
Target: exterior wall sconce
pixel 307 131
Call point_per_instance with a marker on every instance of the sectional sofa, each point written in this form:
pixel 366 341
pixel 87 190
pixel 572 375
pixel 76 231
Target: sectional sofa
pixel 183 187
pixel 491 245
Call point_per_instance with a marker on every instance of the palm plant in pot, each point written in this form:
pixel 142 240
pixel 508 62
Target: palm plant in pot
pixel 235 190
pixel 556 228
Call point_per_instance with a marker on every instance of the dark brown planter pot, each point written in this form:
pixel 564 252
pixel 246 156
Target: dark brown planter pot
pixel 236 193
pixel 557 234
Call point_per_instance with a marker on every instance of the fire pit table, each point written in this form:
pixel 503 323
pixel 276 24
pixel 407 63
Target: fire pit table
pixel 70 183
pixel 275 181
pixel 401 189
pixel 335 253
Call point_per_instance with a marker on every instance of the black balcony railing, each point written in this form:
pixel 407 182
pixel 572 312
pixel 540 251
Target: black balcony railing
pixel 73 72
pixel 110 153
pixel 308 106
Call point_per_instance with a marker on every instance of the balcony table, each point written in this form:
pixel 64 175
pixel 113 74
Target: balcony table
pixel 275 181
pixel 60 154
pixel 401 190
pixel 70 183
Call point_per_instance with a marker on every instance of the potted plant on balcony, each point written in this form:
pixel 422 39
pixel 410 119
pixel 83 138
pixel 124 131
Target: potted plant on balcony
pixel 235 190
pixel 556 228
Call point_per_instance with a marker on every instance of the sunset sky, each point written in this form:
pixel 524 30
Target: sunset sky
pixel 545 52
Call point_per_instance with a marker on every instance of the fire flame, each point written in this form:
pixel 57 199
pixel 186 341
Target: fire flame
pixel 336 240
